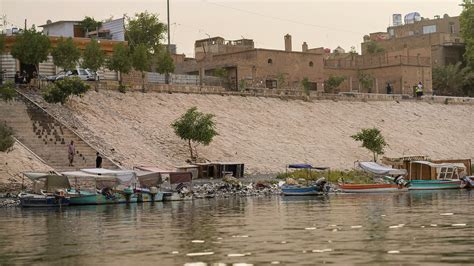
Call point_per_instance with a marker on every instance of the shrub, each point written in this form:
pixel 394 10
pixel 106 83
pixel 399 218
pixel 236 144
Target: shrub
pixel 7 91
pixel 122 88
pixel 355 176
pixel 61 90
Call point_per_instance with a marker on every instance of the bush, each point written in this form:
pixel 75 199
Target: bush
pixel 7 91
pixel 122 88
pixel 61 90
pixel 6 138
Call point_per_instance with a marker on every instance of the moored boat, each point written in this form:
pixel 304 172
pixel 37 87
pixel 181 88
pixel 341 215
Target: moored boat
pixel 50 191
pixel 294 188
pixel 371 188
pixel 435 184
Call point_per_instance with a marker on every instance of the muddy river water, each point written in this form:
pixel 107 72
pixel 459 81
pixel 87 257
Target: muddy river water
pixel 430 227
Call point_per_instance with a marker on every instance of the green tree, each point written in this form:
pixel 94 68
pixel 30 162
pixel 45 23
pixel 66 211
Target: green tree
pixel 89 24
pixel 145 28
pixel 332 83
pixel 6 138
pixel 120 60
pixel 164 63
pixel 141 61
pixel 93 57
pixel 366 80
pixel 7 91
pixel 374 47
pixel 66 54
pixel 196 128
pixel 31 47
pixel 453 80
pixel 466 20
pixel 372 140
pixel 60 91
pixel 306 85
pixel 221 73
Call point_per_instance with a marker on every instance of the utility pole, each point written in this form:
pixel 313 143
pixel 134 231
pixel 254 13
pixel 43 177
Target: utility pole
pixel 167 75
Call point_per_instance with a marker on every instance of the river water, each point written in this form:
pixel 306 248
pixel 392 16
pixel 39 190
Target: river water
pixel 431 227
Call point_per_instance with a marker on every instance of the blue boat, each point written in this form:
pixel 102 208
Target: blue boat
pixel 425 175
pixel 50 192
pixel 314 188
pixel 434 184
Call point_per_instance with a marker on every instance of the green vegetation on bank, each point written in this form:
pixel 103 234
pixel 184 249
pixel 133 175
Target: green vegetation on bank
pixel 334 176
pixel 62 90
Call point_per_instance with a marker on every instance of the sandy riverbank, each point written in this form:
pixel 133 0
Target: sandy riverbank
pixel 266 133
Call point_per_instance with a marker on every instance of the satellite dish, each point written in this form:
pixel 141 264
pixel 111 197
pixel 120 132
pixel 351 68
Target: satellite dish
pixel 48 21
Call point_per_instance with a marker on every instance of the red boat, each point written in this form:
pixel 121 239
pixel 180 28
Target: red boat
pixel 371 188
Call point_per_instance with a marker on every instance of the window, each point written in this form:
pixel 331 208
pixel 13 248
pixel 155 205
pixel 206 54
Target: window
pixel 271 84
pixel 391 32
pixel 270 61
pixel 429 29
pixel 451 27
pixel 311 64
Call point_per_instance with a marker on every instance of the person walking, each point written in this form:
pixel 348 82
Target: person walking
pixel 71 150
pixel 98 161
pixel 419 90
pixel 389 88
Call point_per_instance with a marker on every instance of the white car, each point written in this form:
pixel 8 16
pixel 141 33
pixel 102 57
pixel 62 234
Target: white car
pixel 81 73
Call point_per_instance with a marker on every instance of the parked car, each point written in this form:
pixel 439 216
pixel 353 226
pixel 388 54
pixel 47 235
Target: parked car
pixel 93 76
pixel 81 73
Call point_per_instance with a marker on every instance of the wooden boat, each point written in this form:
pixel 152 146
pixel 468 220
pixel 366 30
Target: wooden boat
pixel 43 200
pixel 300 190
pixel 425 175
pixel 109 187
pixel 309 188
pixel 149 195
pixel 371 188
pixel 397 184
pixel 180 187
pixel 435 184
pixel 53 193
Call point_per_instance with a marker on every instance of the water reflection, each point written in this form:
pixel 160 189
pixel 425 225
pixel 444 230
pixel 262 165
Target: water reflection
pixel 398 228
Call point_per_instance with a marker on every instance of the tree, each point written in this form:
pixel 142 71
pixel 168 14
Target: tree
pixel 164 62
pixel 66 54
pixel 141 61
pixel 196 128
pixel 90 24
pixel 7 91
pixel 62 90
pixel 306 85
pixel 453 80
pixel 333 82
pixel 374 47
pixel 6 138
pixel 93 57
pixel 372 140
pixel 467 30
pixel 120 60
pixel 365 80
pixel 145 28
pixel 31 47
pixel 221 73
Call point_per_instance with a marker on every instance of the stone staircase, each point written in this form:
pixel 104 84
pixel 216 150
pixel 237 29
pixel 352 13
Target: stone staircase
pixel 47 137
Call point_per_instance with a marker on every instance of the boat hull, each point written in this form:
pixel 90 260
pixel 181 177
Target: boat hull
pixel 289 190
pixel 434 184
pixel 370 188
pixel 33 200
pixel 88 198
pixel 148 197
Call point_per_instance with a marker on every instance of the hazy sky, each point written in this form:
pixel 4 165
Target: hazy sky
pixel 319 23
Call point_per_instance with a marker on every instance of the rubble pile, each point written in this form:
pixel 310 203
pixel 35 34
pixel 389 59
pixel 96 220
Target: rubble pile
pixel 9 202
pixel 231 186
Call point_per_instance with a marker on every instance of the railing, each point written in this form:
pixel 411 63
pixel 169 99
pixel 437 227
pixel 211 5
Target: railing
pixel 377 61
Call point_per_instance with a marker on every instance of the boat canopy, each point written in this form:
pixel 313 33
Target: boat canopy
pixel 125 177
pixel 378 169
pixel 36 175
pixel 306 166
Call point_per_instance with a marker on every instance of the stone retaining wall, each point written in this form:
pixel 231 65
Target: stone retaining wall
pixel 290 94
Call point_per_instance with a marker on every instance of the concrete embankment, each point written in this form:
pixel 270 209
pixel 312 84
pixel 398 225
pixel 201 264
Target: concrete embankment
pixel 265 133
